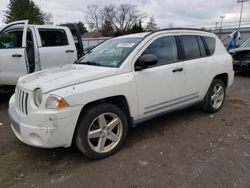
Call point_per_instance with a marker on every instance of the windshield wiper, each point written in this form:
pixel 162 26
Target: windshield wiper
pixel 90 63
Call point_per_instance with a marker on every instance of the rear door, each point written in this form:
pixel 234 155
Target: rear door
pixel 198 65
pixel 75 31
pixel 13 62
pixel 55 48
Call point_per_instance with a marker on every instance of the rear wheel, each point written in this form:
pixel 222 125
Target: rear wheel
pixel 215 96
pixel 101 131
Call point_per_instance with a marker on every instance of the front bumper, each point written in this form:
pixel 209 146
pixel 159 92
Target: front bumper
pixel 44 128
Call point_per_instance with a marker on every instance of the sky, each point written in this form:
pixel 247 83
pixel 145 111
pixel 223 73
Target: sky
pixel 177 13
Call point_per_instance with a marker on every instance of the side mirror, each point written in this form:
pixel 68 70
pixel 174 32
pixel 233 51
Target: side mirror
pixel 145 61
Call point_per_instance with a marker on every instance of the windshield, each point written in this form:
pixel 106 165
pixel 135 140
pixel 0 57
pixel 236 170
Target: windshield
pixel 246 44
pixel 110 53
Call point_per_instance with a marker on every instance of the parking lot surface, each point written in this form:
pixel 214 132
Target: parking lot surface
pixel 188 148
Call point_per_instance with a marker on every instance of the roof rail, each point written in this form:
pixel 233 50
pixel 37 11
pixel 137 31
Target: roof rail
pixel 172 29
pixel 181 28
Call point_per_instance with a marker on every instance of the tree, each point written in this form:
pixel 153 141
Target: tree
pixel 91 26
pixel 137 28
pixel 122 18
pixel 25 9
pixel 107 29
pixel 82 27
pixel 151 25
pixel 94 17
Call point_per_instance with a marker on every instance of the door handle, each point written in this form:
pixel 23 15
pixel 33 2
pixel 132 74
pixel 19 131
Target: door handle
pixel 17 55
pixel 69 51
pixel 177 70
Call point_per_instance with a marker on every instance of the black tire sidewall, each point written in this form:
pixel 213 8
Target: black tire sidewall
pixel 83 126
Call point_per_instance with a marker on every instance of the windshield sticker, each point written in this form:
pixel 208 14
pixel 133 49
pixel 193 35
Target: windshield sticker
pixel 125 45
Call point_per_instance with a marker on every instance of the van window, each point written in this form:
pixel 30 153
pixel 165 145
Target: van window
pixel 210 42
pixel 190 47
pixel 53 37
pixel 11 39
pixel 165 49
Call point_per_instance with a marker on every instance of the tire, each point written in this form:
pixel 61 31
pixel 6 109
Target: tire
pixel 214 101
pixel 101 131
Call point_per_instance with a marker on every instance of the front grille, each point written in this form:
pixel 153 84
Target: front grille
pixel 22 101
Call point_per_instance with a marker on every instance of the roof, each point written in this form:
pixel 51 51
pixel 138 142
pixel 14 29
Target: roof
pixel 93 34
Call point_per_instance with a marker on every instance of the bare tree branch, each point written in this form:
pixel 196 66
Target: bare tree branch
pixel 94 16
pixel 122 17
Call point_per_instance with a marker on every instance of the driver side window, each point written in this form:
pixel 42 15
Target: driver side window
pixel 11 39
pixel 165 49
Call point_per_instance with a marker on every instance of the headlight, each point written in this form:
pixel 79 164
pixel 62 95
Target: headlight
pixel 38 96
pixel 56 102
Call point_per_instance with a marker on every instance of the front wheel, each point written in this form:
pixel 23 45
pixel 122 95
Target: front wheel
pixel 215 96
pixel 101 131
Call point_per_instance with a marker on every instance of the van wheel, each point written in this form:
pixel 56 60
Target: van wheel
pixel 101 131
pixel 215 96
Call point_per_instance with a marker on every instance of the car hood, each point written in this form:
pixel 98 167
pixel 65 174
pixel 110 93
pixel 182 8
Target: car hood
pixel 236 50
pixel 56 78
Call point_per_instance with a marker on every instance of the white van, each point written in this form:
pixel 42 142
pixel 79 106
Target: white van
pixel 28 48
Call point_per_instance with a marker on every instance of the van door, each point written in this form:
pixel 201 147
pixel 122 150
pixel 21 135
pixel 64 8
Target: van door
pixel 13 62
pixel 74 28
pixel 55 48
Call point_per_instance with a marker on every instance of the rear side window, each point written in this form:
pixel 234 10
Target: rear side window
pixel 51 38
pixel 210 42
pixel 201 46
pixel 190 47
pixel 165 49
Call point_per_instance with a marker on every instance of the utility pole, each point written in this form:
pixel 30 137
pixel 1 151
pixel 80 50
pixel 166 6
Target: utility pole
pixel 242 4
pixel 216 24
pixel 221 17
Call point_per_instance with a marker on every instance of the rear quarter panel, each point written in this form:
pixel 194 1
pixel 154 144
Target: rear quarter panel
pixel 223 61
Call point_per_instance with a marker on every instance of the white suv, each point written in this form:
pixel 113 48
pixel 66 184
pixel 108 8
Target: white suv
pixel 120 83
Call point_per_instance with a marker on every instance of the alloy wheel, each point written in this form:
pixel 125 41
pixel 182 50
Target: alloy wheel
pixel 105 132
pixel 217 96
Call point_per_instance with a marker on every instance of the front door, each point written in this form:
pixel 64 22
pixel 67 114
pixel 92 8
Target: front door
pixel 161 87
pixel 13 62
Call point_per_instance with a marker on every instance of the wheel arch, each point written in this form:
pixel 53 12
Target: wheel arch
pixel 223 77
pixel 119 100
